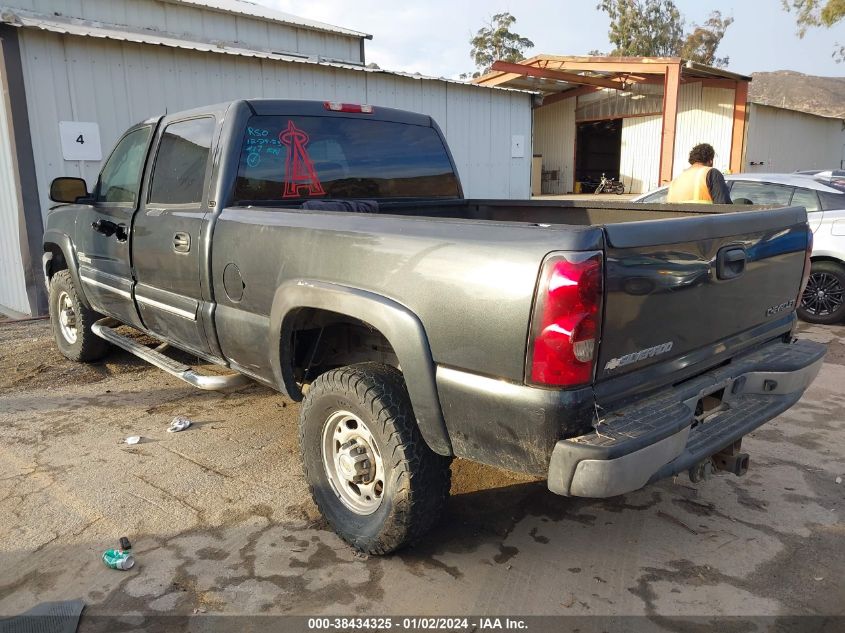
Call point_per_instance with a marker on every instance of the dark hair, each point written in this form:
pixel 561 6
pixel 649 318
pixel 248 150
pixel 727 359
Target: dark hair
pixel 702 153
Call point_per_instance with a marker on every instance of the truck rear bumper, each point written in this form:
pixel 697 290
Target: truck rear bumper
pixel 673 430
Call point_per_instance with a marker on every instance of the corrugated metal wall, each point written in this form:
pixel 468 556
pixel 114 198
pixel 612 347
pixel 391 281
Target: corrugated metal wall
pixel 705 115
pixel 639 165
pixel 12 285
pixel 611 104
pixel 554 138
pixel 204 24
pixel 785 140
pixel 117 84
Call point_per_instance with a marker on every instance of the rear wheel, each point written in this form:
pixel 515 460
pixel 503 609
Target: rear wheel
pixel 823 300
pixel 370 472
pixel 72 321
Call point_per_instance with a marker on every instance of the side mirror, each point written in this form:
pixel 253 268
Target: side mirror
pixel 68 189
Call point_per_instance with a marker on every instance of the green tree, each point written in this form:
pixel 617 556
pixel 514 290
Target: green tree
pixel 701 43
pixel 655 28
pixel 815 13
pixel 644 28
pixel 495 41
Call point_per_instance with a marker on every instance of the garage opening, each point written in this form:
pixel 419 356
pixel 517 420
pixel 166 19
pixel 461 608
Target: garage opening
pixel 598 151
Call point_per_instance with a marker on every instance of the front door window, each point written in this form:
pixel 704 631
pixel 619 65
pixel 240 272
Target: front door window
pixel 120 180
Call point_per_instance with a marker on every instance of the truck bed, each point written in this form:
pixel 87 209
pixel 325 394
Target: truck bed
pixel 570 212
pixel 583 212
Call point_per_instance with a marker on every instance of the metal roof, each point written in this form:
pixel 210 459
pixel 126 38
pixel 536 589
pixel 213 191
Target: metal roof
pixel 256 10
pixel 596 71
pixel 808 112
pixel 85 28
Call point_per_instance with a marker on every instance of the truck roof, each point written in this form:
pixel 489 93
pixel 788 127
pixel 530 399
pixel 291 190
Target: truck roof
pixel 299 107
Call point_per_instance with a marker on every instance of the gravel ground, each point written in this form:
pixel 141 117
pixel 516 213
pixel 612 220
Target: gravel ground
pixel 221 522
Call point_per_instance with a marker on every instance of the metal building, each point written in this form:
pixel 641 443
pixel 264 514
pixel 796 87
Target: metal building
pixel 784 140
pixel 631 118
pixel 77 73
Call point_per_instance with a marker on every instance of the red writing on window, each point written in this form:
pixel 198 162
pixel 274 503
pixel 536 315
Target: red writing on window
pixel 299 169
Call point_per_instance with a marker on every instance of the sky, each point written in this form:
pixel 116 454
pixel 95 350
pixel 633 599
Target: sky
pixel 432 36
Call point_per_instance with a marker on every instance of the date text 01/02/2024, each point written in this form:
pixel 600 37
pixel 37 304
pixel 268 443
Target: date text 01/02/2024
pixel 417 623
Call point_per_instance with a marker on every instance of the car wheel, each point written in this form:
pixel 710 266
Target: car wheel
pixel 72 321
pixel 823 300
pixel 370 472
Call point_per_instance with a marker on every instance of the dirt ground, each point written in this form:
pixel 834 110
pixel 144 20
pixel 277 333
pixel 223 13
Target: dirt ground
pixel 221 522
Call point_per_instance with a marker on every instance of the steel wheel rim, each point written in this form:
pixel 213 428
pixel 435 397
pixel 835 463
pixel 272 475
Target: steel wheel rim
pixel 67 318
pixel 823 295
pixel 352 462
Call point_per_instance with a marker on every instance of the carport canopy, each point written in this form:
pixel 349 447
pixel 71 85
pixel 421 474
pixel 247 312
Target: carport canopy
pixel 557 77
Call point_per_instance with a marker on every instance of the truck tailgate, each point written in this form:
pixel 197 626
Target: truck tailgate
pixel 676 285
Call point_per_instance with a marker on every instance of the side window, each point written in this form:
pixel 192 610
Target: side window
pixel 806 198
pixel 179 171
pixel 761 192
pixel 120 180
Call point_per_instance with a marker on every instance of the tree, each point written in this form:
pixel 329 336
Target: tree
pixel 701 43
pixel 815 13
pixel 655 28
pixel 644 28
pixel 495 41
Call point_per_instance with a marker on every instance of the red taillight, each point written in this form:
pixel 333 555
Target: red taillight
pixel 807 265
pixel 335 106
pixel 567 320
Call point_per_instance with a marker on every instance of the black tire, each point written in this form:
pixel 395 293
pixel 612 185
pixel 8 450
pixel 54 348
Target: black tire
pixel 86 347
pixel 416 480
pixel 827 308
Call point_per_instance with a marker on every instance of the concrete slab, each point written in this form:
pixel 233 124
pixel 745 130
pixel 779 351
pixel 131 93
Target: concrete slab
pixel 221 521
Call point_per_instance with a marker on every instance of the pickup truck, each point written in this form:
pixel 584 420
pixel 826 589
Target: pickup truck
pixel 326 250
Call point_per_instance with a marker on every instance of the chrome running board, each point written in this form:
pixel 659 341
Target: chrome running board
pixel 103 329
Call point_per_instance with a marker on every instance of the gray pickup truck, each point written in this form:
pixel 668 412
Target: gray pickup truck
pixel 326 250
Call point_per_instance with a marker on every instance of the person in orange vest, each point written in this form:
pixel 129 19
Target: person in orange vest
pixel 701 183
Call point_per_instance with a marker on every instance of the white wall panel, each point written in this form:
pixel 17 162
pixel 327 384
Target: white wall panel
pixel 785 141
pixel 705 115
pixel 554 138
pixel 204 24
pixel 639 163
pixel 117 84
pixel 12 282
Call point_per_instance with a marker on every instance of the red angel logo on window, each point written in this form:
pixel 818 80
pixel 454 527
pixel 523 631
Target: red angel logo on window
pixel 299 169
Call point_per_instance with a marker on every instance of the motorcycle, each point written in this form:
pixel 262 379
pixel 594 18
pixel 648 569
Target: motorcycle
pixel 610 185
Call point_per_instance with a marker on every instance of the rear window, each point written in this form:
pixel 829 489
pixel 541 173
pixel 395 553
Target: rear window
pixel 291 158
pixel 761 192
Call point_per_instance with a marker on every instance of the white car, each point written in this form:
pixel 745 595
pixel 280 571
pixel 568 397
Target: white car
pixel 823 195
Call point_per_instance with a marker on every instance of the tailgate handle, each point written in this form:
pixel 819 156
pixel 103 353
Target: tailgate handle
pixel 730 262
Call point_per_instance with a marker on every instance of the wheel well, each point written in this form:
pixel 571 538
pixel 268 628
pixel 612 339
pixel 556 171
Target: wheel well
pixel 58 261
pixel 321 340
pixel 825 258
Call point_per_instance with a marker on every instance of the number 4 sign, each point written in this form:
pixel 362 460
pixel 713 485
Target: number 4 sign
pixel 80 141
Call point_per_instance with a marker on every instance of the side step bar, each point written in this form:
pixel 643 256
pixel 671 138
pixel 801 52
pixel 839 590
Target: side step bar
pixel 103 329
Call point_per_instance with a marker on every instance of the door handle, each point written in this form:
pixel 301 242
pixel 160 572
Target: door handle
pixel 181 243
pixel 109 228
pixel 730 262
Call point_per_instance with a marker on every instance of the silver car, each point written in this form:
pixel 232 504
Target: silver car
pixel 823 195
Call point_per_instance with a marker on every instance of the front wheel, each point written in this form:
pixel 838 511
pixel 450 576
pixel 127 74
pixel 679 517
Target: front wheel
pixel 72 321
pixel 370 472
pixel 823 300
